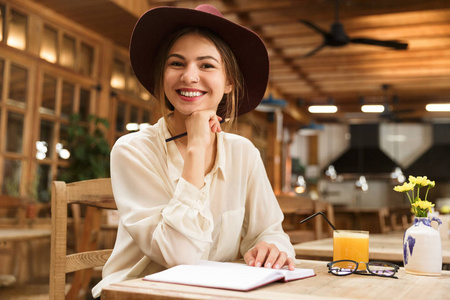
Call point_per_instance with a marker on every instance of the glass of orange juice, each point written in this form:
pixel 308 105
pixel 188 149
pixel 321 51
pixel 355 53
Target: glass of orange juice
pixel 351 244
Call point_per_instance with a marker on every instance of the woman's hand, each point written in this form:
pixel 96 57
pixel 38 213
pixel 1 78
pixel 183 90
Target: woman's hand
pixel 200 151
pixel 200 125
pixel 268 256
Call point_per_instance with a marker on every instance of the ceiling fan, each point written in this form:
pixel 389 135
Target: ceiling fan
pixel 337 36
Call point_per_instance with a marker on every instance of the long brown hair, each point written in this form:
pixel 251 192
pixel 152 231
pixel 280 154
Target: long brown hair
pixel 229 104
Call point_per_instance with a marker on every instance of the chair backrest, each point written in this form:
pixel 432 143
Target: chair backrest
pixel 97 194
pixel 297 208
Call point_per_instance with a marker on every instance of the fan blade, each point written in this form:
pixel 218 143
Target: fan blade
pixel 313 27
pixel 390 44
pixel 310 53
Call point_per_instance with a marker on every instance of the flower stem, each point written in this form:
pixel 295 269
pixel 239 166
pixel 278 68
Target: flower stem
pixel 409 197
pixel 426 194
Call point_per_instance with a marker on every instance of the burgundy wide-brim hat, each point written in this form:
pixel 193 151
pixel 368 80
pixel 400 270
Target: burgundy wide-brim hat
pixel 248 48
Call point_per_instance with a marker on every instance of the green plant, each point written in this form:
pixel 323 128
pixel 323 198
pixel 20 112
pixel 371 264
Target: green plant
pixel 89 149
pixel 11 187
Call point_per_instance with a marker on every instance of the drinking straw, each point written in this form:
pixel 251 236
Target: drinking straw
pixel 319 213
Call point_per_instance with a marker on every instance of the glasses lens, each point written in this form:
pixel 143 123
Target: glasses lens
pixel 381 268
pixel 345 267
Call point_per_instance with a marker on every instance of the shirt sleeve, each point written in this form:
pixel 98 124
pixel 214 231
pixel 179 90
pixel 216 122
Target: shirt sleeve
pixel 263 216
pixel 170 226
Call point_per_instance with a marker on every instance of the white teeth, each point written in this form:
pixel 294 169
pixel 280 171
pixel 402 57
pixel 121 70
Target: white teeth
pixel 190 94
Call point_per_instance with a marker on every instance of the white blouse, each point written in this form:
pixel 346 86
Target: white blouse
pixel 166 221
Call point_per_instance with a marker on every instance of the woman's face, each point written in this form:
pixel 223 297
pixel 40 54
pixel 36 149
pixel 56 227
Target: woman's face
pixel 194 76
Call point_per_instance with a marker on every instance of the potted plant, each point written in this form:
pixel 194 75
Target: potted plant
pixel 422 250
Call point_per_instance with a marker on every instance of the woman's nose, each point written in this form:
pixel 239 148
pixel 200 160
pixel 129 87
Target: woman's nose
pixel 190 75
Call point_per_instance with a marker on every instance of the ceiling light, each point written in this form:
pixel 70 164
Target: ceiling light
pixel 438 107
pixel 378 108
pixel 322 109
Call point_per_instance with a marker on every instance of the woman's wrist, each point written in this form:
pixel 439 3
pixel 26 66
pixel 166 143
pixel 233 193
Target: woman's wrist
pixel 194 165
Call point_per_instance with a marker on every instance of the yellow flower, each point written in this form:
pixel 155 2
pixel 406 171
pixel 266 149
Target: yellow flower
pixel 405 187
pixel 419 180
pixel 423 204
pixel 418 206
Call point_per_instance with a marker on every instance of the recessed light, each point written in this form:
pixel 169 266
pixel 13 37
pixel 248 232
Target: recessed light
pixel 438 107
pixel 378 108
pixel 322 109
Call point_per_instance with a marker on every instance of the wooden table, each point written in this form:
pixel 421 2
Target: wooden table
pixel 387 247
pixel 322 286
pixel 17 236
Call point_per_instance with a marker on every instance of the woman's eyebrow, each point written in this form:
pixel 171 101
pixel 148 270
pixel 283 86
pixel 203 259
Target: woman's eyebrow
pixel 207 57
pixel 200 58
pixel 176 55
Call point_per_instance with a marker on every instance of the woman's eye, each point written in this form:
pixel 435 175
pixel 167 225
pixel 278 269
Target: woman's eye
pixel 175 64
pixel 207 66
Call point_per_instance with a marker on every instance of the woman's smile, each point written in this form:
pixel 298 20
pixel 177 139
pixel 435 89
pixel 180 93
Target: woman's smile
pixel 190 94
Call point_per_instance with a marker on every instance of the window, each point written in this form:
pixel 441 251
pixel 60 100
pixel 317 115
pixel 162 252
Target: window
pixel 63 142
pixel 17 35
pixel 118 75
pixel 60 47
pixel 67 99
pixel 18 85
pixel 44 147
pixel 2 22
pixel 120 117
pixel 68 52
pixel 44 175
pixel 85 101
pixel 37 96
pixel 11 174
pixel 48 95
pixel 132 84
pixel 86 59
pixel 123 79
pixel 14 134
pixel 49 45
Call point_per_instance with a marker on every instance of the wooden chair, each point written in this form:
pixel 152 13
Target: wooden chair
pixel 297 208
pixel 96 194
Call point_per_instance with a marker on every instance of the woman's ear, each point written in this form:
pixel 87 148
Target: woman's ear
pixel 228 88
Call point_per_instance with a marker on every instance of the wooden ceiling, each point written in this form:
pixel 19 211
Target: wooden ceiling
pixel 405 80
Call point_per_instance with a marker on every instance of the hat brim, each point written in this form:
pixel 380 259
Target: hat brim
pixel 248 48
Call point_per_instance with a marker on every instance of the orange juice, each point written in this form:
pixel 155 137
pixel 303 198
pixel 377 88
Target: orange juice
pixel 351 244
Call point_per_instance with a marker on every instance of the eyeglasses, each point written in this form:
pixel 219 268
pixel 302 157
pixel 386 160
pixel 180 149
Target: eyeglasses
pixel 377 268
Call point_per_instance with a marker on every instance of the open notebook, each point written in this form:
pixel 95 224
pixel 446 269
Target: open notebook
pixel 232 276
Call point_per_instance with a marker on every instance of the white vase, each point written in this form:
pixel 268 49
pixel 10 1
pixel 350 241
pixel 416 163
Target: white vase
pixel 422 249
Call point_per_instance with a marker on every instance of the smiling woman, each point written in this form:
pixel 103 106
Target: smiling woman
pixel 204 194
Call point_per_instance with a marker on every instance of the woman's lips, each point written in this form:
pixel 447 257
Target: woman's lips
pixel 190 95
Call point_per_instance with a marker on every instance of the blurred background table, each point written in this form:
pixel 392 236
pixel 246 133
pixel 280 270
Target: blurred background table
pixel 386 246
pixel 22 234
pixel 21 237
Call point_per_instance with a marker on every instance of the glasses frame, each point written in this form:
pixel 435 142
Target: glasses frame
pixel 368 271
